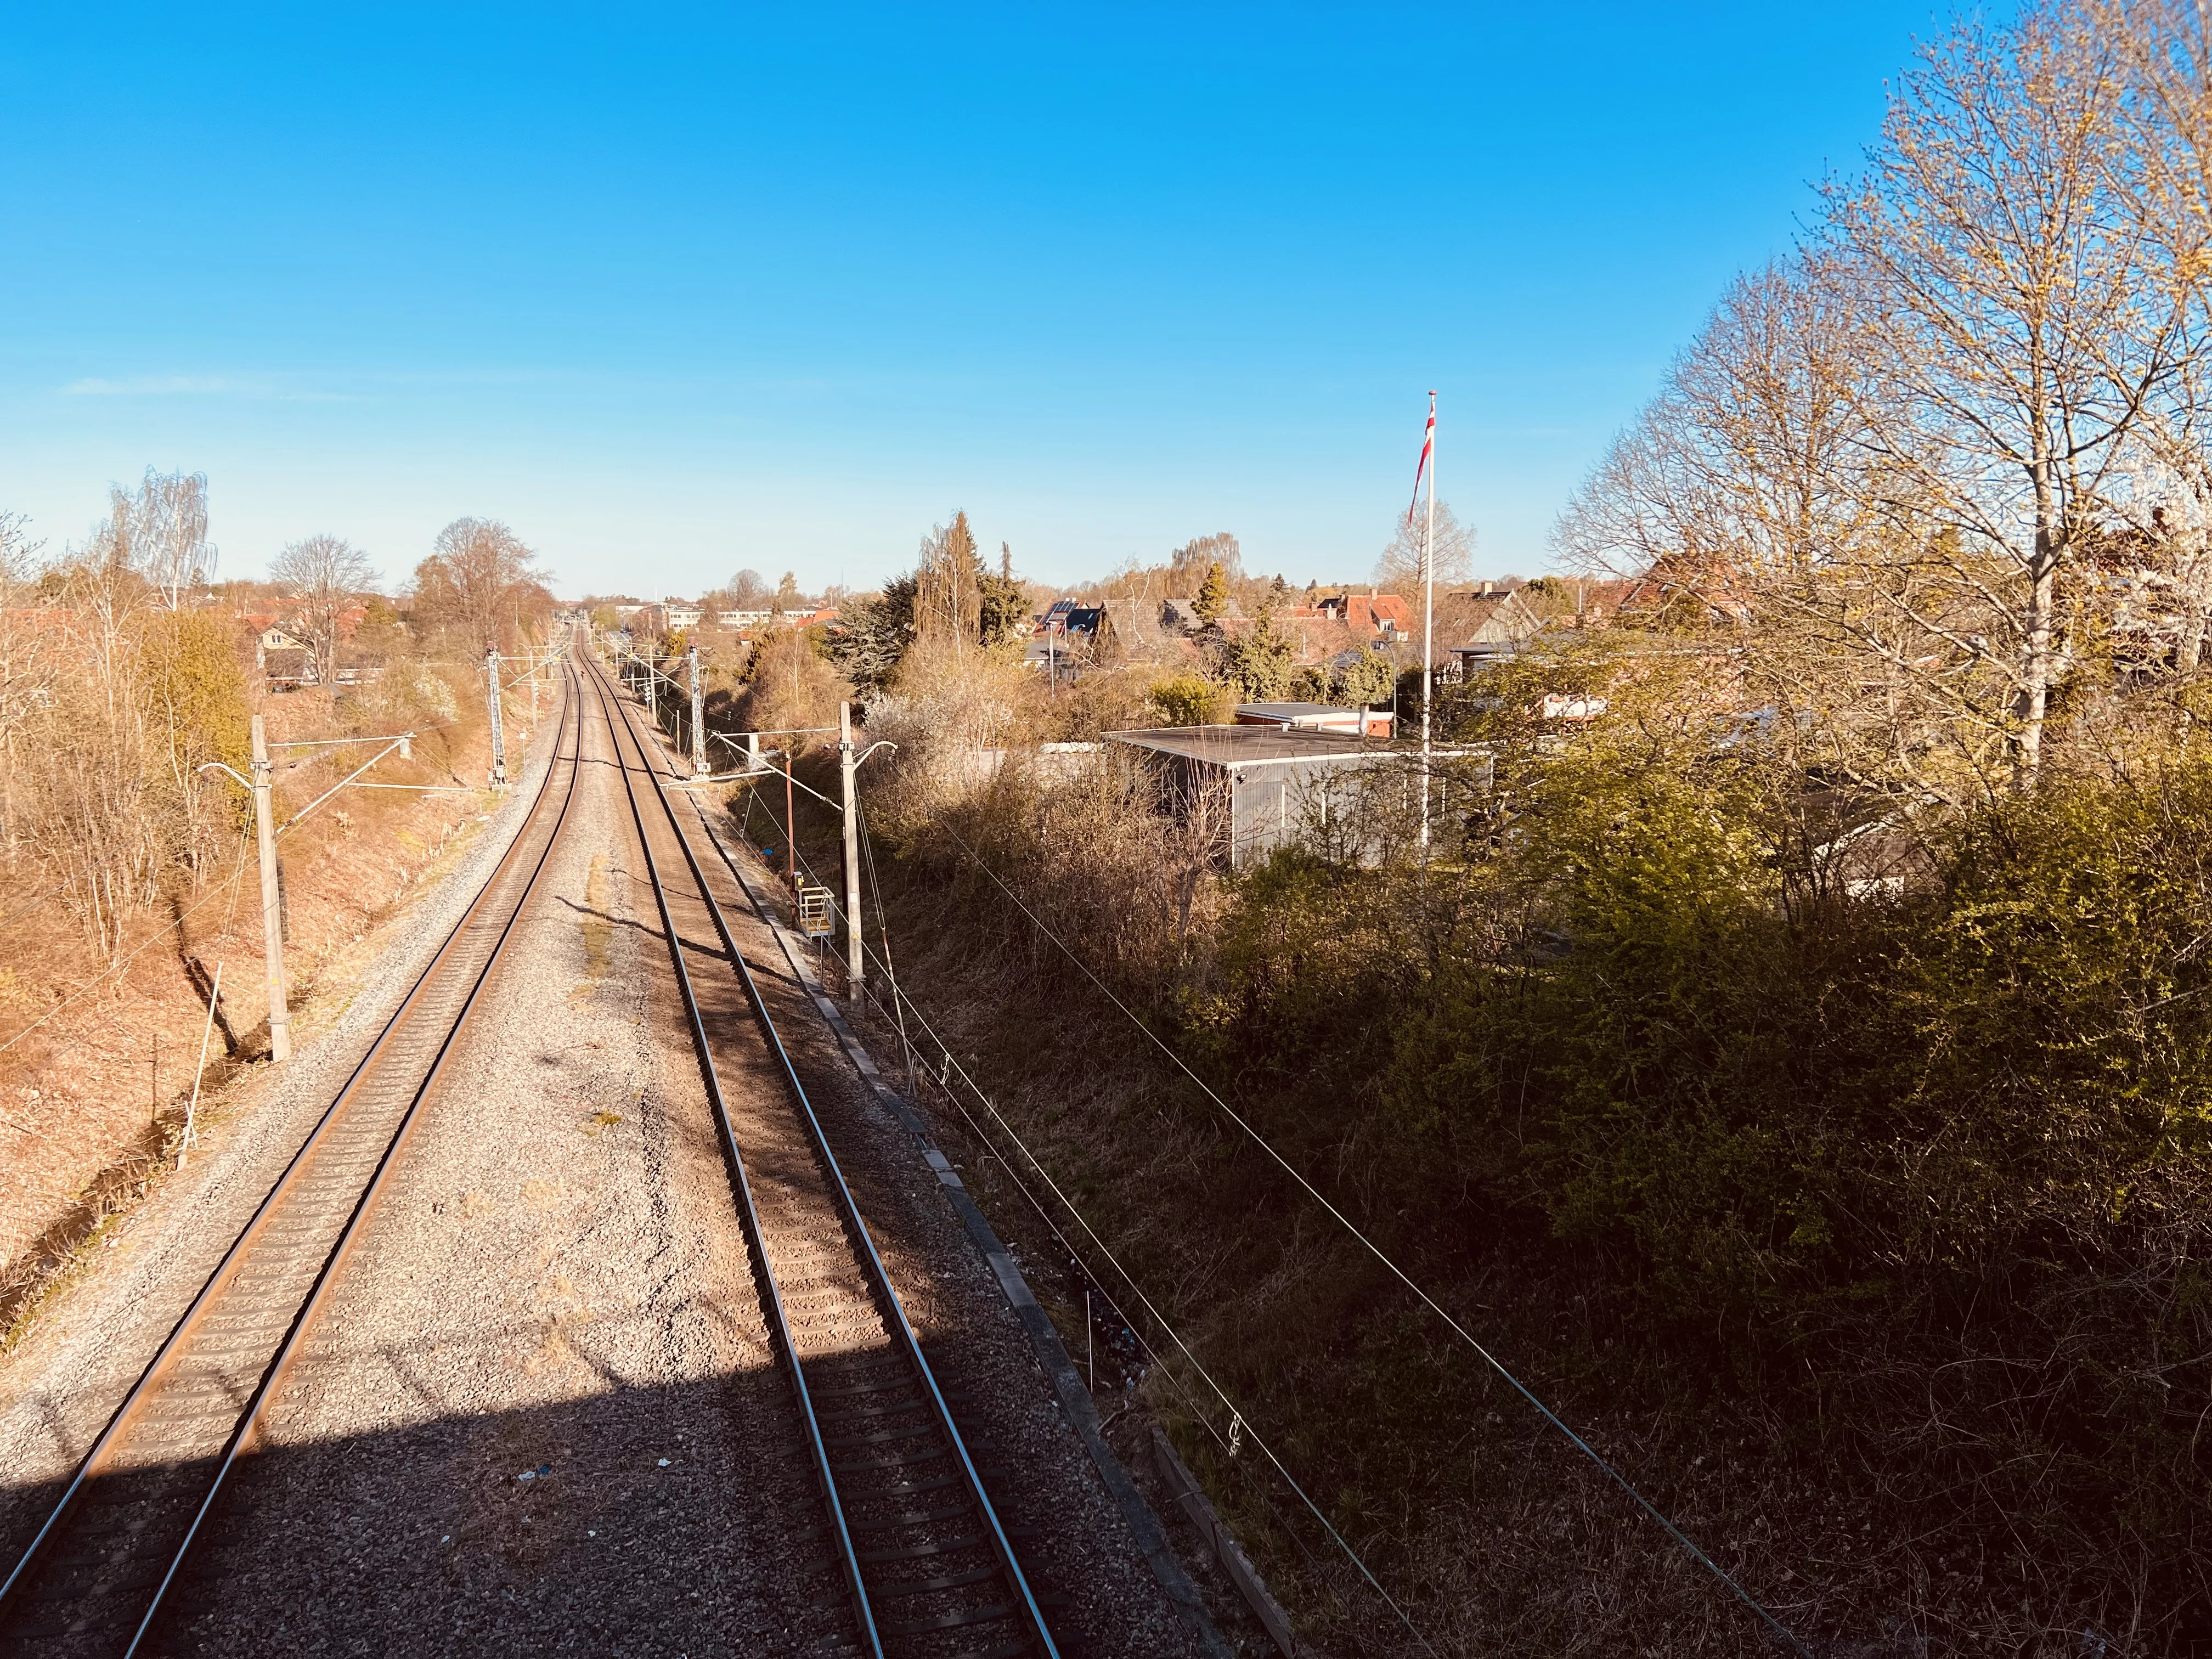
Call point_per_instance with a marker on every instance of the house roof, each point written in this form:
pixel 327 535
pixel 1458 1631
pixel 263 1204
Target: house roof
pixel 1295 713
pixel 1667 577
pixel 1183 612
pixel 1371 611
pixel 1485 618
pixel 1072 616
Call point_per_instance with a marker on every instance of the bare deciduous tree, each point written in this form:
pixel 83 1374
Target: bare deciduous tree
pixel 1188 564
pixel 1400 570
pixel 1749 487
pixel 2031 316
pixel 164 531
pixel 476 582
pixel 1925 467
pixel 26 669
pixel 948 601
pixel 322 577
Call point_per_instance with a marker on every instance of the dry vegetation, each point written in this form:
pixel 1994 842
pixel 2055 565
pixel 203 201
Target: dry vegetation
pixel 129 876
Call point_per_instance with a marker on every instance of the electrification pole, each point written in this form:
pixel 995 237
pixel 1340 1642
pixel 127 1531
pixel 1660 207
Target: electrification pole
pixel 847 764
pixel 498 735
pixel 272 902
pixel 698 718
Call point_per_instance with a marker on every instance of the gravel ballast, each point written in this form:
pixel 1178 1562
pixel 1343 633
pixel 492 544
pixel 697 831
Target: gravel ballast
pixel 540 1413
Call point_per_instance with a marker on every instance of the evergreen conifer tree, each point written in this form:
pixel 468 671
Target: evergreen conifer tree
pixel 1212 600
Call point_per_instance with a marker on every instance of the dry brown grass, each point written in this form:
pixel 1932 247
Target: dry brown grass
pixel 1492 1532
pixel 89 1129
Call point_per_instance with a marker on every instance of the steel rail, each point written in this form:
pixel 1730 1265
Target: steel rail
pixel 748 1213
pixel 904 1339
pixel 208 1299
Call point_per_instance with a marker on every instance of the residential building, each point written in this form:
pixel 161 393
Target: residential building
pixel 1382 617
pixel 1181 616
pixel 283 658
pixel 1486 627
pixel 1063 638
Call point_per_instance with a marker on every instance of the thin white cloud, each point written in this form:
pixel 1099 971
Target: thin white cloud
pixel 200 385
pixel 154 385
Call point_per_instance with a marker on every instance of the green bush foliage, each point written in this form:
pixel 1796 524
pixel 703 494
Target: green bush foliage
pixel 1927 1170
pixel 1188 700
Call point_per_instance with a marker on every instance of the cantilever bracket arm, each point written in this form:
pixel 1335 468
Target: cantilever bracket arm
pixel 880 743
pixel 217 766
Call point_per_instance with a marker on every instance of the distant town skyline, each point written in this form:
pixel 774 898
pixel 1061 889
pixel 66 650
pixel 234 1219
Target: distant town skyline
pixel 744 288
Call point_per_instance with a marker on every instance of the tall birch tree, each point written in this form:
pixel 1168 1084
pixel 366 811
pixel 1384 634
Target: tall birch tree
pixel 2029 314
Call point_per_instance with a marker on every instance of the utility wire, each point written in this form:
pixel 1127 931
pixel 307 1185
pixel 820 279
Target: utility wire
pixel 1236 1413
pixel 1374 1249
pixel 142 947
pixel 1381 1255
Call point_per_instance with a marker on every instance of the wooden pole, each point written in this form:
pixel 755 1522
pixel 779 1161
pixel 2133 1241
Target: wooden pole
pixel 855 949
pixel 1428 621
pixel 272 903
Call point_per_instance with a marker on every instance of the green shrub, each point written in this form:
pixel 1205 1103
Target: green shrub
pixel 1189 700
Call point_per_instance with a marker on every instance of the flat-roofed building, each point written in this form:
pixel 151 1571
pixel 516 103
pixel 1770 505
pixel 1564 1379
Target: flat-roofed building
pixel 1260 787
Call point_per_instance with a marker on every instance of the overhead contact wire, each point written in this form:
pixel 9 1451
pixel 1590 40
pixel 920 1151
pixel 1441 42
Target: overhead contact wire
pixel 1396 1271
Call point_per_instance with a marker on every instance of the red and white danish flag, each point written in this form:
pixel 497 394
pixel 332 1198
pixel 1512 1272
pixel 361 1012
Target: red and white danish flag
pixel 1428 446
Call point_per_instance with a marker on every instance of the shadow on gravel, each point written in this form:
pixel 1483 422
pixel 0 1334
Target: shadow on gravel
pixel 633 1520
pixel 662 1520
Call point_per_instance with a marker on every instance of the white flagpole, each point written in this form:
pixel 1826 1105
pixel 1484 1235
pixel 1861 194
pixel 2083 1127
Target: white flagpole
pixel 1428 620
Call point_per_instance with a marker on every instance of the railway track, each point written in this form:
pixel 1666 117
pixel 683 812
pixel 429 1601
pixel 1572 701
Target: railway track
pixel 96 1577
pixel 930 1571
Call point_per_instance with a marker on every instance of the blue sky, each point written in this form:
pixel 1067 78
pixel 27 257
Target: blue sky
pixel 676 293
